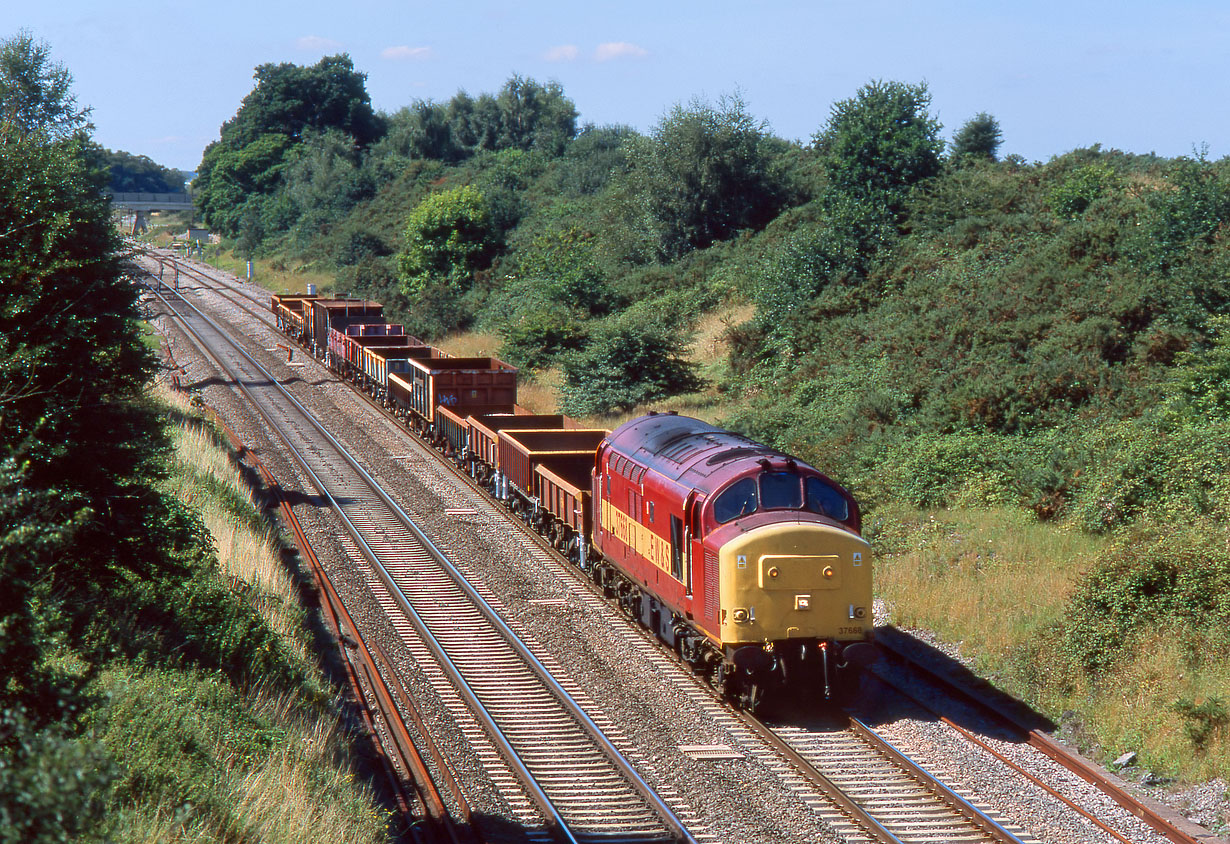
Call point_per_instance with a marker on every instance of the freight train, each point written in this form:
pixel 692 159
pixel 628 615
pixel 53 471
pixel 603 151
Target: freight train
pixel 746 561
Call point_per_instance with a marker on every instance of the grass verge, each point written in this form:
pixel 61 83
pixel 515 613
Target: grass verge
pixel 202 757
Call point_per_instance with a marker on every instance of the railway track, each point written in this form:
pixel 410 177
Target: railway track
pixel 1166 823
pixel 581 787
pixel 884 796
pixel 902 802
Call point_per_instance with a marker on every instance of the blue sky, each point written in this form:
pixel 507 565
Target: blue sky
pixel 162 75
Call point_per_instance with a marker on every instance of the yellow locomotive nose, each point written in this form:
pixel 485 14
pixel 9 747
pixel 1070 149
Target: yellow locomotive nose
pixel 801 577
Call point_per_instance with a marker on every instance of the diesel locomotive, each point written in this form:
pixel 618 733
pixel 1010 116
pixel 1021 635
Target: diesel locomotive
pixel 746 560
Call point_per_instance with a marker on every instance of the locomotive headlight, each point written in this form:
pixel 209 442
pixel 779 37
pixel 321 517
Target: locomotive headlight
pixel 739 615
pixel 828 572
pixel 773 571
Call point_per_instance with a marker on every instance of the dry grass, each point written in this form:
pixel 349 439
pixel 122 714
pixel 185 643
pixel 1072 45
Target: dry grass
pixel 540 395
pixel 471 344
pixel 248 549
pixel 991 579
pixel 710 345
pixel 1134 708
pixel 275 275
pixel 999 584
pixel 299 791
pixel 279 800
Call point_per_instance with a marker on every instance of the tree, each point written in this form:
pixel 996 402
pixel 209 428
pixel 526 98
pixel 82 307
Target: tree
pixel 630 360
pixel 880 143
pixel 1081 188
pixel 533 116
pixel 141 174
pixel 35 92
pixel 288 104
pixel 447 237
pixel 289 99
pixel 704 173
pixel 73 445
pixel 979 138
pixel 323 177
pixel 230 176
pixel 561 265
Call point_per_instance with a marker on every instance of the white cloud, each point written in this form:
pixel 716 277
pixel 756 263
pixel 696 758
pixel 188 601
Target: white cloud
pixel 315 42
pixel 562 53
pixel 404 53
pixel 618 50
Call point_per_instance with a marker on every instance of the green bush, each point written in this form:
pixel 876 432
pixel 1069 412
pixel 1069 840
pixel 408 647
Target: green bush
pixel 447 237
pixel 1177 582
pixel 1081 189
pixel 54 786
pixel 1203 719
pixel 535 336
pixel 630 359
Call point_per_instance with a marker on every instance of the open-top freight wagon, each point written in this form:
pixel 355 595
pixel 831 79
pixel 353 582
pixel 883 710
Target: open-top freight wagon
pixel 459 384
pixel 544 477
pixel 378 361
pixel 323 314
pixel 346 345
pixel 745 560
pixel 290 314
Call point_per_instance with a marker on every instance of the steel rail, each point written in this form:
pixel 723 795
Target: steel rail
pixel 817 778
pixel 428 796
pixel 1176 829
pixel 540 798
pixel 968 810
pixel 1004 760
pixel 374 658
pixel 674 826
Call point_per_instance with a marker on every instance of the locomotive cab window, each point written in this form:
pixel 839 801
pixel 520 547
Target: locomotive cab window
pixel 739 499
pixel 823 499
pixel 781 491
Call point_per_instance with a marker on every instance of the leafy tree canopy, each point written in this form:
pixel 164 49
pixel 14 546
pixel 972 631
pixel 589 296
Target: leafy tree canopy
pixel 229 177
pixel 141 174
pixel 289 99
pixel 447 237
pixel 289 104
pixel 524 115
pixel 705 172
pixel 35 92
pixel 979 138
pixel 881 142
